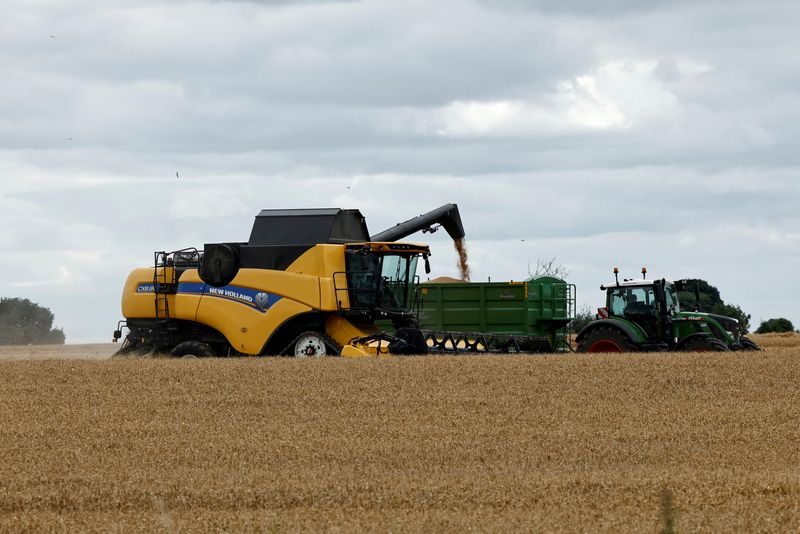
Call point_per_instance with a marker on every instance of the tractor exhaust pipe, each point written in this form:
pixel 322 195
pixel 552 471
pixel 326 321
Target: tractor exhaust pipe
pixel 446 216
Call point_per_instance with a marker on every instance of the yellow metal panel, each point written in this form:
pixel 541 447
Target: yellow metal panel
pixel 320 260
pixel 186 303
pixel 303 288
pixel 349 351
pixel 245 328
pixel 342 331
pixel 138 300
pixel 327 263
pixel 393 246
pixel 138 295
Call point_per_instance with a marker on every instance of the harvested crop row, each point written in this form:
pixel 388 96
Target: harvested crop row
pixel 559 443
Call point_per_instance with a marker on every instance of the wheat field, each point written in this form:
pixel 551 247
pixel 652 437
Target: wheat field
pixel 642 443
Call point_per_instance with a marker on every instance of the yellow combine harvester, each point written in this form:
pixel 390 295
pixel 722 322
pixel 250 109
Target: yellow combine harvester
pixel 307 283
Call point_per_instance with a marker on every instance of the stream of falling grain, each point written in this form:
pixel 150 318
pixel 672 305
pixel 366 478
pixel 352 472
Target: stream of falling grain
pixel 463 260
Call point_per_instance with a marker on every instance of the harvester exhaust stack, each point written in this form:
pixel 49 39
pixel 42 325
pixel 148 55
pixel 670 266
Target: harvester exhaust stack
pixel 447 216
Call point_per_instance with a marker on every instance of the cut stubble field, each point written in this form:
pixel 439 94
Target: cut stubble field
pixel 693 442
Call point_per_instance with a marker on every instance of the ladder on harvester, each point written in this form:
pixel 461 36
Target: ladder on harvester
pixel 163 285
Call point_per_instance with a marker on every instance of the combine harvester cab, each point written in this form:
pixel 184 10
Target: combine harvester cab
pixel 306 283
pixel 645 316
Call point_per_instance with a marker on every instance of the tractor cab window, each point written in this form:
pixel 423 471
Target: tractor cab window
pixel 385 281
pixel 671 299
pixel 632 301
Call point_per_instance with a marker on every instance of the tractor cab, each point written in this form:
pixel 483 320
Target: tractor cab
pixel 645 315
pixel 648 303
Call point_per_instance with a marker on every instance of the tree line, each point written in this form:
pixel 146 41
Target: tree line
pixel 23 322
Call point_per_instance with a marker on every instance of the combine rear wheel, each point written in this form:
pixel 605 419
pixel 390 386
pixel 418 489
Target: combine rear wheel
pixel 606 339
pixel 192 348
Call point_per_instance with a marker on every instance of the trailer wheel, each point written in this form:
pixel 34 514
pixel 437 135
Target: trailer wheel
pixel 192 348
pixel 704 344
pixel 313 345
pixel 606 339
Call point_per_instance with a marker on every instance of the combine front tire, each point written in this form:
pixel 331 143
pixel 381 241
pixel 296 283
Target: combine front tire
pixel 606 339
pixel 313 345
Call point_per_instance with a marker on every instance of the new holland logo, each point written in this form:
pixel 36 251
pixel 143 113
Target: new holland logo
pixel 262 300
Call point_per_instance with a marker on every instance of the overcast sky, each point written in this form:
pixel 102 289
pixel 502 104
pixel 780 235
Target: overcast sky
pixel 603 133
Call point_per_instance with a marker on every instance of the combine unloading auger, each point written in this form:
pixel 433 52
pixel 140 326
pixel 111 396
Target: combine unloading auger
pixel 446 216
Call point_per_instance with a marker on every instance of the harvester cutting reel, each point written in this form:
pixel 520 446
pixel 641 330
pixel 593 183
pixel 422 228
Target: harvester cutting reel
pixel 405 341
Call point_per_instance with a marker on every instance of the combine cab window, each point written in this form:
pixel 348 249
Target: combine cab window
pixel 384 281
pixel 632 301
pixel 398 274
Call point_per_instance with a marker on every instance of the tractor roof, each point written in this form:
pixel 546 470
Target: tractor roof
pixel 631 283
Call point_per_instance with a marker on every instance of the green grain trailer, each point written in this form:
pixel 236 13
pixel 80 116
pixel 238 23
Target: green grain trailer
pixel 540 308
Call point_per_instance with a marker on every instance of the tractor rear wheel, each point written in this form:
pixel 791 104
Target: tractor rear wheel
pixel 193 348
pixel 704 344
pixel 606 339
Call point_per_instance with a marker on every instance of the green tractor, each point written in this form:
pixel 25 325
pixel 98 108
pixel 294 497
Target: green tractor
pixel 645 316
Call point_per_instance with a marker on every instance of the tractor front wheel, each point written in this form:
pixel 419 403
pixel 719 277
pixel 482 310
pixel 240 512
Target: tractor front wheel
pixel 704 344
pixel 606 339
pixel 748 344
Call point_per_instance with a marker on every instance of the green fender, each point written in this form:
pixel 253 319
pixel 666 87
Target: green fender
pixel 714 325
pixel 696 335
pixel 630 329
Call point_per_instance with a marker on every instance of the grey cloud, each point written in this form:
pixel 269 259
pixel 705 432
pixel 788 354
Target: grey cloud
pixel 270 104
pixel 586 8
pixel 282 2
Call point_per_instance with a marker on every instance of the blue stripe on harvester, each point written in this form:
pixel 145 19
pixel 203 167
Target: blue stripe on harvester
pixel 253 298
